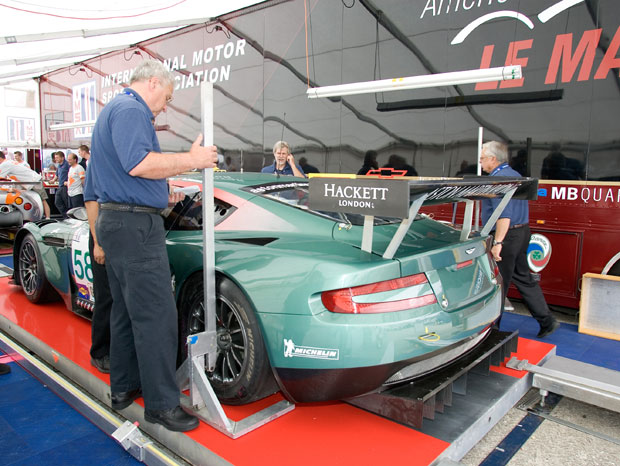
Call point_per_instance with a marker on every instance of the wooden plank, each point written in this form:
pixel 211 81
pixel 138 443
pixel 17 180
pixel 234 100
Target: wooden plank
pixel 599 309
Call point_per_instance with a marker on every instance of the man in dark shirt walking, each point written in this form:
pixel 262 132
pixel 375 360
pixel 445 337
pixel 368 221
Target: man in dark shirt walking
pixel 512 237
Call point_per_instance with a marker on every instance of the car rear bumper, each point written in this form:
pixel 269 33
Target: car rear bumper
pixel 311 385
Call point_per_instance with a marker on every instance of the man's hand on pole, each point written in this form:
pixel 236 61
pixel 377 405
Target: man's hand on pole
pixel 203 157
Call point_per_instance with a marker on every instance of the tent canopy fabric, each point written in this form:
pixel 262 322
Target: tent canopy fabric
pixel 38 38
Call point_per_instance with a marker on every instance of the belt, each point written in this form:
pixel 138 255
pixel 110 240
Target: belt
pixel 519 225
pixel 130 208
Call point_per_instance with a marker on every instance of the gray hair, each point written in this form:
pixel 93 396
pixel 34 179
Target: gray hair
pixel 279 145
pixel 497 149
pixel 152 69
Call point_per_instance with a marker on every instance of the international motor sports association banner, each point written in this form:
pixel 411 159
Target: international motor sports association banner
pixel 84 107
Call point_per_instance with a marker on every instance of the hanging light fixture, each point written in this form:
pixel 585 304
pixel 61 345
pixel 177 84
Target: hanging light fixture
pixel 502 73
pixel 77 125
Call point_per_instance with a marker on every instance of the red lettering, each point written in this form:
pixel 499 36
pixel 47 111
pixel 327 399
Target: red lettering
pixel 512 59
pixel 487 55
pixel 585 52
pixel 609 60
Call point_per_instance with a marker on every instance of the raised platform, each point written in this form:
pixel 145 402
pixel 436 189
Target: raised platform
pixel 317 433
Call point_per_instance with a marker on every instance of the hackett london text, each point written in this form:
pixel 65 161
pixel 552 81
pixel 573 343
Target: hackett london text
pixel 355 192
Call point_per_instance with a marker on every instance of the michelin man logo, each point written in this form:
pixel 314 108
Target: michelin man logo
pixel 289 346
pixel 291 350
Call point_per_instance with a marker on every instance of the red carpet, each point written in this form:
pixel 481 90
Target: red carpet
pixel 318 433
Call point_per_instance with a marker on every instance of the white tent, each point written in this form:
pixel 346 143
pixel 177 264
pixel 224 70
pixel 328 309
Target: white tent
pixel 36 38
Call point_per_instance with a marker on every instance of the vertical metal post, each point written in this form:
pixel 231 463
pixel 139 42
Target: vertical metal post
pixel 202 400
pixel 479 172
pixel 208 231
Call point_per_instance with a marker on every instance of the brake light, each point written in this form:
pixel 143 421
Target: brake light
pixel 27 206
pixel 462 265
pixel 343 300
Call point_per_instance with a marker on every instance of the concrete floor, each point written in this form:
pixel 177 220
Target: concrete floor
pixel 591 436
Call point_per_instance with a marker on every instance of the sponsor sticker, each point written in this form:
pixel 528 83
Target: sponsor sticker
pixel 538 252
pixel 291 350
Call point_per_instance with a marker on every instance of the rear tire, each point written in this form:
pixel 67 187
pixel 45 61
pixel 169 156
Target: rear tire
pixel 32 272
pixel 242 372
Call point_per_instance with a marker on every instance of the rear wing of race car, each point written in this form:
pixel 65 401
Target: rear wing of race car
pixel 403 198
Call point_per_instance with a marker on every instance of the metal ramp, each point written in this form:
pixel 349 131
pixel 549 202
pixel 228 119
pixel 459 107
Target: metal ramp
pixel 591 384
pixel 410 403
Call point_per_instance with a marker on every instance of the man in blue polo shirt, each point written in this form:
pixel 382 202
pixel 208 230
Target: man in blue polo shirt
pixel 512 237
pixel 284 163
pixel 61 198
pixel 129 175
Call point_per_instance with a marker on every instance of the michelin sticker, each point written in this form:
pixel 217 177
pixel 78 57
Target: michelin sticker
pixel 538 252
pixel 291 350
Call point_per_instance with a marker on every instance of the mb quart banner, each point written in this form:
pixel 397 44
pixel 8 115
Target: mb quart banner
pixel 388 198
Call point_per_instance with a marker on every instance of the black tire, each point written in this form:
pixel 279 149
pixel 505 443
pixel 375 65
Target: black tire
pixel 242 372
pixel 32 272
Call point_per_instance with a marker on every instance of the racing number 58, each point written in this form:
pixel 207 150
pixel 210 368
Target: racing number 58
pixel 81 265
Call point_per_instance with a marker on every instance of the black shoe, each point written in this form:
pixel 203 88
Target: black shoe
pixel 120 400
pixel 102 364
pixel 4 368
pixel 172 419
pixel 544 332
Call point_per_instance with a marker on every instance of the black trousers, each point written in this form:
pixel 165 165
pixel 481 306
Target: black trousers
pixel 143 322
pixel 100 324
pixel 76 201
pixel 514 268
pixel 61 200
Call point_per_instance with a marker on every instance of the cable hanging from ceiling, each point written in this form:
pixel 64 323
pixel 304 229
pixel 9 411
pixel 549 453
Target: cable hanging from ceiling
pixel 26 10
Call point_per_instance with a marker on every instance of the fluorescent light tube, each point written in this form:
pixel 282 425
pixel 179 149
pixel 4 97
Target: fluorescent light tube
pixel 454 78
pixel 80 124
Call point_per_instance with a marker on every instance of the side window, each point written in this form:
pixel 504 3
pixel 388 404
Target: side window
pixel 187 214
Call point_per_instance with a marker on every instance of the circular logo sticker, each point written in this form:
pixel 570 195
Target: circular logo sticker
pixel 538 252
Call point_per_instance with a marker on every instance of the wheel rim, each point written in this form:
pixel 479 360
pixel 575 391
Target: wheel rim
pixel 28 268
pixel 232 340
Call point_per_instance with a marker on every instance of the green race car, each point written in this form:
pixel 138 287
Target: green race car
pixel 301 306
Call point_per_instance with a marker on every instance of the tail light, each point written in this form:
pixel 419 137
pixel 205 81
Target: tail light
pixel 493 264
pixel 343 300
pixel 27 206
pixel 462 265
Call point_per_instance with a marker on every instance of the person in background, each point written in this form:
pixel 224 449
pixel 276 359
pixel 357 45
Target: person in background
pixel 230 164
pixel 511 240
pixel 19 158
pixel 129 172
pixel 61 200
pixel 17 172
pixel 398 162
pixel 284 163
pixel 84 152
pixel 306 167
pixel 100 321
pixel 370 162
pixel 75 182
